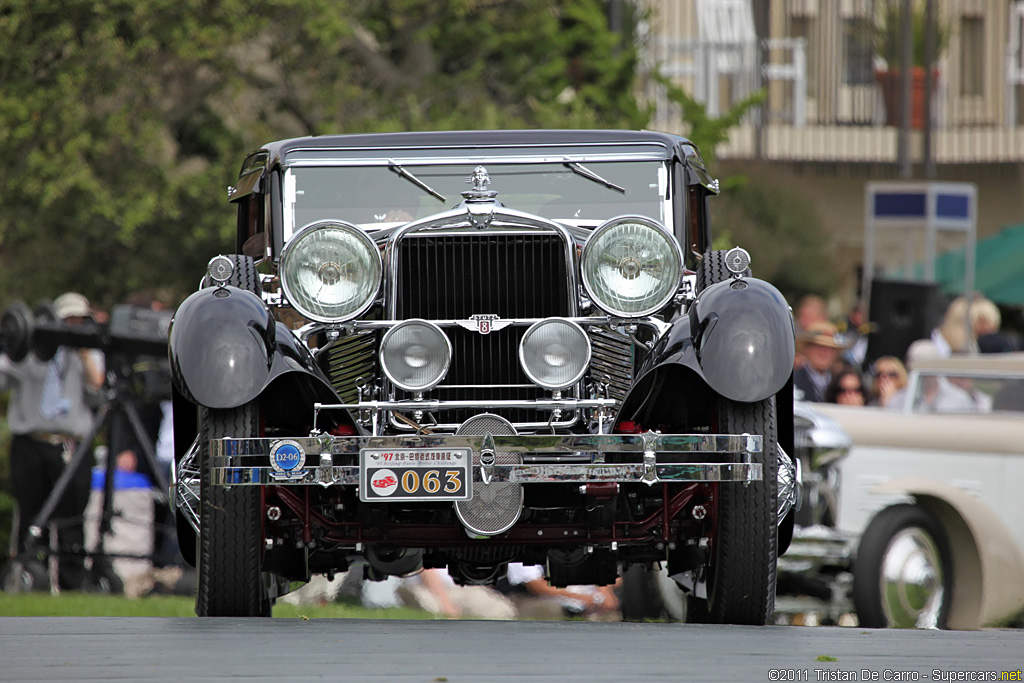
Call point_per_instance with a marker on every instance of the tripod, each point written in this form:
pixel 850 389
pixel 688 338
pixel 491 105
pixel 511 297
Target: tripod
pixel 118 402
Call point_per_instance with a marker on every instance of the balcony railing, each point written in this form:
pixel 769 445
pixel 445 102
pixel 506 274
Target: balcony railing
pixel 825 100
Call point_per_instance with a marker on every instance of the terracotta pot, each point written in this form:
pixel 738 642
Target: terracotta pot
pixel 891 83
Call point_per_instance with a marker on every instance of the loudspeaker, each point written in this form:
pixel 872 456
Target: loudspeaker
pixel 901 313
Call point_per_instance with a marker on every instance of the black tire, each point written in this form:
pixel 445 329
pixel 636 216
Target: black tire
pixel 741 578
pixel 228 552
pixel 229 576
pixel 640 599
pixel 913 531
pixel 712 270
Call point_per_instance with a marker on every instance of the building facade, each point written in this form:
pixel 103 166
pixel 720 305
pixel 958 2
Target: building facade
pixel 832 115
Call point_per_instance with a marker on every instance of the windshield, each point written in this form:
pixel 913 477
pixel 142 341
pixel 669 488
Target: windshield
pixel 935 391
pixel 376 196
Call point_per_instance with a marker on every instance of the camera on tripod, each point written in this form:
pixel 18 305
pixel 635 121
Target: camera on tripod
pixel 132 332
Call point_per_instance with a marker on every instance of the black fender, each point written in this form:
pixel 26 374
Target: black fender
pixel 225 348
pixel 221 347
pixel 744 339
pixel 737 340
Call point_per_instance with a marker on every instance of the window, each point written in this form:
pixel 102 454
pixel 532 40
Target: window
pixel 857 64
pixel 972 56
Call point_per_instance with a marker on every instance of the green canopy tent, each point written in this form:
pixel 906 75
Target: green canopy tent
pixel 999 268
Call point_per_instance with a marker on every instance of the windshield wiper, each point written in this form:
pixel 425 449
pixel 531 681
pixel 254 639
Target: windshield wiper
pixel 394 166
pixel 579 169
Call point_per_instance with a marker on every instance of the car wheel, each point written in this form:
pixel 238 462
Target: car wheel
pixel 712 269
pixel 903 572
pixel 741 578
pixel 640 598
pixel 230 581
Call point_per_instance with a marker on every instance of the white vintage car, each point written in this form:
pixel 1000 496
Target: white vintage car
pixel 935 498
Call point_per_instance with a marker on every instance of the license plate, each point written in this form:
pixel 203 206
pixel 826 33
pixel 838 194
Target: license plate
pixel 409 474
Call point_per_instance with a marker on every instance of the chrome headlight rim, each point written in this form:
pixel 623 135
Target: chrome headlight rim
pixel 583 367
pixel 676 266
pixel 445 366
pixel 304 233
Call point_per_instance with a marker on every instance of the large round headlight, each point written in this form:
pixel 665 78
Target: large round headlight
pixel 554 353
pixel 631 266
pixel 331 271
pixel 415 355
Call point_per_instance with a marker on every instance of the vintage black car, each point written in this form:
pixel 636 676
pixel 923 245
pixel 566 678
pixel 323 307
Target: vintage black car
pixel 463 349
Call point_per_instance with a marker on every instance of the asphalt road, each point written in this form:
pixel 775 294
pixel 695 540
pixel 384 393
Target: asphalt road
pixel 189 650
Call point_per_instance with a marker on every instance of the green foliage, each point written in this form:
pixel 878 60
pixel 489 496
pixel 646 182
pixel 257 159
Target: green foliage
pixel 123 122
pixel 886 33
pixel 706 131
pixel 780 229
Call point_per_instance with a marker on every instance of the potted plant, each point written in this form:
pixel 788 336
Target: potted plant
pixel 887 39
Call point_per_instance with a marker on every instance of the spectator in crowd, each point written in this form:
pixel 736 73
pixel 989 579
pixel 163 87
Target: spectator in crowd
pixel 890 377
pixel 820 346
pixel 847 388
pixel 935 394
pixel 954 333
pixel 535 598
pixel 49 412
pixel 986 322
pixel 854 332
pixel 810 310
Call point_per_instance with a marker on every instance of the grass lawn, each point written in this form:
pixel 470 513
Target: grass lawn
pixel 98 605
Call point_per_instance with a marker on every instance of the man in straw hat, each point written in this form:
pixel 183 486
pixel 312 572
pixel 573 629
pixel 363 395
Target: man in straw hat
pixel 820 346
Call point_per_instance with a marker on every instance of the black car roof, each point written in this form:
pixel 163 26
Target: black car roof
pixel 475 138
pixel 272 154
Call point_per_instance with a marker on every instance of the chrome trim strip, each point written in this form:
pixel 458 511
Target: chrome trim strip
pixel 240 462
pixel 433 404
pixel 550 444
pixel 586 321
pixel 526 474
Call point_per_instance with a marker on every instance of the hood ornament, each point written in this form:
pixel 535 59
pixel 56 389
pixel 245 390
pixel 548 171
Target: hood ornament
pixel 480 202
pixel 479 180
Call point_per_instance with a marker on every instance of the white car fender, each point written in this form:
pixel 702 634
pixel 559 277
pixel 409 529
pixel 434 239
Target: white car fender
pixel 988 567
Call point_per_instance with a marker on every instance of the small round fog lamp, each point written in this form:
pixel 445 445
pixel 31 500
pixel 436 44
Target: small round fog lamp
pixel 415 355
pixel 554 353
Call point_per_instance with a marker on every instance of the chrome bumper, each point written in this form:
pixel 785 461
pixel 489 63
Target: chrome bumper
pixel 565 458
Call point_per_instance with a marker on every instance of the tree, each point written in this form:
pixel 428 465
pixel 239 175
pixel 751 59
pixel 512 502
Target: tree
pixel 124 121
pixel 779 228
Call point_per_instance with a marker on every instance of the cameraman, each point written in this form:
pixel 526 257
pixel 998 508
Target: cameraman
pixel 48 412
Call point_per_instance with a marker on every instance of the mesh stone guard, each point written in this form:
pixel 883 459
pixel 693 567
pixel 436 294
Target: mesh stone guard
pixel 239 462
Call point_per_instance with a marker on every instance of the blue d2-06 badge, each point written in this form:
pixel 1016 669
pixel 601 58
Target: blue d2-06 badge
pixel 287 458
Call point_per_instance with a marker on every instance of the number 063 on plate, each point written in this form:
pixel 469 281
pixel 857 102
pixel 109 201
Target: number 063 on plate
pixel 407 474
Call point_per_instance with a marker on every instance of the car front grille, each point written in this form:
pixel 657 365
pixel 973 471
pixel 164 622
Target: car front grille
pixel 351 363
pixel 612 362
pixel 453 277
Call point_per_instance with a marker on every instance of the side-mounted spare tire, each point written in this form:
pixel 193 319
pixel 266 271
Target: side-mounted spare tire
pixel 712 269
